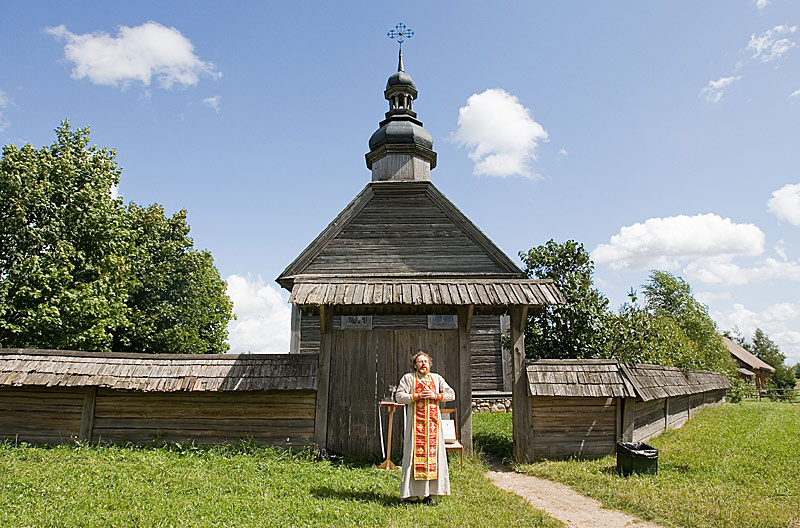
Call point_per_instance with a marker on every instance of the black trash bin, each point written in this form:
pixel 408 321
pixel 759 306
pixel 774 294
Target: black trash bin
pixel 636 457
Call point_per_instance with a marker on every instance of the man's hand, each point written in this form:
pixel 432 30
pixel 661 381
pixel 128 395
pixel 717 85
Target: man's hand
pixel 427 394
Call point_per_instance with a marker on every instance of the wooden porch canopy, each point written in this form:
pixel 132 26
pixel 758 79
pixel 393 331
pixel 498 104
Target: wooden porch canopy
pixel 486 295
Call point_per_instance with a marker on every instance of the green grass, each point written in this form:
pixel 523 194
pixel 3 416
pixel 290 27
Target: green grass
pixel 125 486
pixel 734 466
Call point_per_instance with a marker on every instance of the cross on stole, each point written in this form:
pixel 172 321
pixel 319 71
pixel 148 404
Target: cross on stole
pixel 400 32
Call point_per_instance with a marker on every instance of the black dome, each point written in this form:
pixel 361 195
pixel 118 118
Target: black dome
pixel 400 78
pixel 401 132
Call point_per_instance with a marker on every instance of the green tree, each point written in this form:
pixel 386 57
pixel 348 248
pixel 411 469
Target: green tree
pixel 79 271
pixel 766 350
pixel 576 329
pixel 63 271
pixel 670 300
pixel 176 300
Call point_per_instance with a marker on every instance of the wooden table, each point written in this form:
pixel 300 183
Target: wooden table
pixel 387 464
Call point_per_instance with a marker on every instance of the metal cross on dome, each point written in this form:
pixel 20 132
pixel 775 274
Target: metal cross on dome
pixel 400 32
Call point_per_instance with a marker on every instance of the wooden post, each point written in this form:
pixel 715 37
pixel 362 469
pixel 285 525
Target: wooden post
pixel 464 389
pixel 294 343
pixel 87 415
pixel 323 377
pixel 628 405
pixel 506 359
pixel 521 406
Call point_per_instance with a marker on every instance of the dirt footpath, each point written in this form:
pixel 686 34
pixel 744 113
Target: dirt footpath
pixel 562 502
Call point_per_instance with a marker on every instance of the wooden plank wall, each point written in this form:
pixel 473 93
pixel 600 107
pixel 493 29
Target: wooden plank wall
pixel 41 415
pixel 487 356
pixel 402 230
pixel 565 426
pixel 53 416
pixel 283 418
pixel 653 417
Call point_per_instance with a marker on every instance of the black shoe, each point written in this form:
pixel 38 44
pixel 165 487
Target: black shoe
pixel 427 501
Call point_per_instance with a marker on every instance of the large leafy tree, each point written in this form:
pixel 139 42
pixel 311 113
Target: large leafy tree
pixel 63 245
pixel 176 297
pixel 670 301
pixel 79 271
pixel 575 329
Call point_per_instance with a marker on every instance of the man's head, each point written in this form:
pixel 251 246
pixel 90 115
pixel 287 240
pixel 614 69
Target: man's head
pixel 421 362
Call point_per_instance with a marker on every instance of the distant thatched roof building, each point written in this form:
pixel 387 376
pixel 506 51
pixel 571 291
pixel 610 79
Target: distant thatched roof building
pixel 751 367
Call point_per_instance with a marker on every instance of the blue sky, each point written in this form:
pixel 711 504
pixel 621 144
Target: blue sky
pixel 658 134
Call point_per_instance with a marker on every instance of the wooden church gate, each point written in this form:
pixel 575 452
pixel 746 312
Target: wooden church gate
pixel 367 363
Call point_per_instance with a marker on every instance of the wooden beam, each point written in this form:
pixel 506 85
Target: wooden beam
pixel 470 313
pixel 326 343
pixel 506 360
pixel 87 415
pixel 323 318
pixel 464 389
pixel 628 415
pixel 294 343
pixel 523 321
pixel 521 407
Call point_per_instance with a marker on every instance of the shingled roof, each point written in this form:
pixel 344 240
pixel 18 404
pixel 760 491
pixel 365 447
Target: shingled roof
pixel 607 378
pixel 743 355
pixel 577 377
pixel 157 372
pixel 436 291
pixel 656 381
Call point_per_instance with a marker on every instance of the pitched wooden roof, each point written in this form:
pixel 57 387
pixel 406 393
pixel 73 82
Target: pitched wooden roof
pixel 744 355
pixel 655 381
pixel 157 372
pixel 577 377
pixel 401 229
pixel 451 292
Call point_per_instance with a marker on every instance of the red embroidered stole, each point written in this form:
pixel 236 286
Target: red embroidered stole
pixel 426 432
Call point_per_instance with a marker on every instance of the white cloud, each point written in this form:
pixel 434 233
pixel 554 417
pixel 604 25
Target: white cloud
pixel 768 47
pixel 663 242
pixel 714 90
pixel 135 54
pixel 775 320
pixel 723 270
pixel 263 321
pixel 500 133
pixel 709 297
pixel 796 94
pixel 213 102
pixel 785 204
pixel 563 153
pixel 761 4
pixel 5 102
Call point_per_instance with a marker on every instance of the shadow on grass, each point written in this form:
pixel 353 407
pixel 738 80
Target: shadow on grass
pixel 356 496
pixel 495 444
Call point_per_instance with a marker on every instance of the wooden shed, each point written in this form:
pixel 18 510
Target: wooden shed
pixel 751 368
pixel 401 269
pixel 584 407
pixel 54 397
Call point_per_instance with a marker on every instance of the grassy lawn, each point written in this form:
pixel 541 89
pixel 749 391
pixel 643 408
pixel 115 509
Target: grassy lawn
pixel 231 486
pixel 734 466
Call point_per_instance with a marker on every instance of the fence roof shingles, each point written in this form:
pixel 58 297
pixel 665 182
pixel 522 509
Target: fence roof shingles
pixel 607 378
pixel 157 372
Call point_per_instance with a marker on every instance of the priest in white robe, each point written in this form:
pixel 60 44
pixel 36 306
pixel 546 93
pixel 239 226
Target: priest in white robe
pixel 425 473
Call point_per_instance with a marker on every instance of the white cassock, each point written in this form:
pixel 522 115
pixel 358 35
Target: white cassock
pixel 409 486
